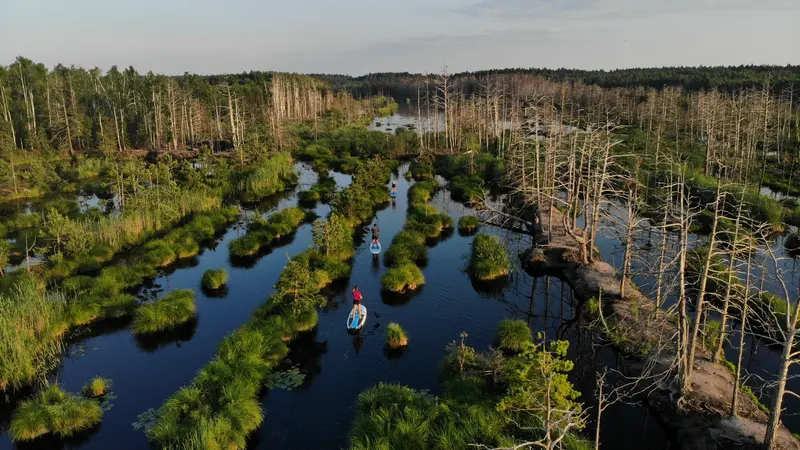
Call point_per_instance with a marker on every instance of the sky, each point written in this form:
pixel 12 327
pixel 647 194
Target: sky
pixel 365 36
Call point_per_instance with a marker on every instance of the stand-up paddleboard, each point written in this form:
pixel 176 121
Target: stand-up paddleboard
pixel 375 248
pixel 393 194
pixel 357 318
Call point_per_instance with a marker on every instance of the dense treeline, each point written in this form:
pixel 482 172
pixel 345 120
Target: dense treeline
pixel 72 108
pixel 725 78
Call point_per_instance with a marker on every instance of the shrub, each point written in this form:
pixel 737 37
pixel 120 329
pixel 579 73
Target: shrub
pixel 513 335
pixel 53 411
pixel 214 279
pixel 396 336
pixel 309 198
pixel 468 224
pixel 98 387
pixel 175 308
pixel 403 278
pixel 488 260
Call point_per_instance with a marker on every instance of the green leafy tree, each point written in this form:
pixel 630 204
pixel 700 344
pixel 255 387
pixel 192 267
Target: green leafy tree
pixel 540 398
pixel 333 237
pixel 56 226
pixel 298 286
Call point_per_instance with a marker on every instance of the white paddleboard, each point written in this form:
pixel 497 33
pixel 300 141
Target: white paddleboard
pixel 356 320
pixel 375 249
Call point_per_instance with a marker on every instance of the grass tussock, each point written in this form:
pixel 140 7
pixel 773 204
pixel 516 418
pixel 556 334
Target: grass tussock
pixel 268 177
pixel 97 387
pixel 513 335
pixel 396 336
pixel 175 308
pixel 488 258
pixel 214 279
pixel 263 233
pixel 468 225
pixel 403 278
pixel 53 411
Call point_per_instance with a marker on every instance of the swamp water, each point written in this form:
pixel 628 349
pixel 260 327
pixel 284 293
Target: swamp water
pixel 337 365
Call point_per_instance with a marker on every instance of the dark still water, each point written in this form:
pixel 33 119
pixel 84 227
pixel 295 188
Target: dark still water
pixel 338 366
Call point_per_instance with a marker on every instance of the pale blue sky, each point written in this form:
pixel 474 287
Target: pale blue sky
pixel 361 36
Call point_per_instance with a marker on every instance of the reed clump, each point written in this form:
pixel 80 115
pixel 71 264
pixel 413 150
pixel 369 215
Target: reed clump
pixel 214 279
pixel 54 411
pixel 488 258
pixel 174 309
pixel 396 336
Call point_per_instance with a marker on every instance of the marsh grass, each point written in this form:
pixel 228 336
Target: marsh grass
pixel 262 234
pixel 266 178
pixel 513 335
pixel 403 278
pixel 53 411
pixel 97 387
pixel 396 336
pixel 167 312
pixel 468 225
pixel 32 323
pixel 488 258
pixel 214 279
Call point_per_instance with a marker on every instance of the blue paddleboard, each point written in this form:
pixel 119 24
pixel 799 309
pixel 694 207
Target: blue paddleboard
pixel 393 194
pixel 375 249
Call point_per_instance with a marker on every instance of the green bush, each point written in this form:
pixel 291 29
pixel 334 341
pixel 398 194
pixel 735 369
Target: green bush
pixel 468 224
pixel 53 411
pixel 403 278
pixel 214 278
pixel 488 259
pixel 396 336
pixel 175 308
pixel 513 335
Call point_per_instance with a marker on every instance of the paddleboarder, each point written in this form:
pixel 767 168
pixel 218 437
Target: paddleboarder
pixel 375 233
pixel 356 299
pixel 394 186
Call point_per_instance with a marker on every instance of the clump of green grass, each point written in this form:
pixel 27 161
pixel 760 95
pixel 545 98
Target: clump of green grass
pixel 309 198
pixel 468 224
pixel 214 279
pixel 396 336
pixel 53 411
pixel 513 335
pixel 403 278
pixel 32 324
pixel 263 233
pixel 488 259
pixel 406 246
pixel 306 320
pixel 175 308
pixel 266 178
pixel 97 387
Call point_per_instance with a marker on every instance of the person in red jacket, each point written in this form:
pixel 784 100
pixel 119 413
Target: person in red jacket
pixel 356 299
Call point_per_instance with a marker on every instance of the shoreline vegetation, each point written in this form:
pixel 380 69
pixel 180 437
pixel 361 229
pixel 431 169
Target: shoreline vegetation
pixel 409 247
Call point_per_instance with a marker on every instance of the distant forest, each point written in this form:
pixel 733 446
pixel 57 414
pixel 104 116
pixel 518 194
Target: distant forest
pixel 728 79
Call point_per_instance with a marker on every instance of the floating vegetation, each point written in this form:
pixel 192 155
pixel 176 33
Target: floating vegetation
pixel 214 279
pixel 488 259
pixel 286 379
pixel 146 420
pixel 53 411
pixel 396 336
pixel 175 308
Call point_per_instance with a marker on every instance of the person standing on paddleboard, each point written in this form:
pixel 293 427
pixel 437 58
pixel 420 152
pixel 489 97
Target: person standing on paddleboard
pixel 394 186
pixel 375 232
pixel 356 299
